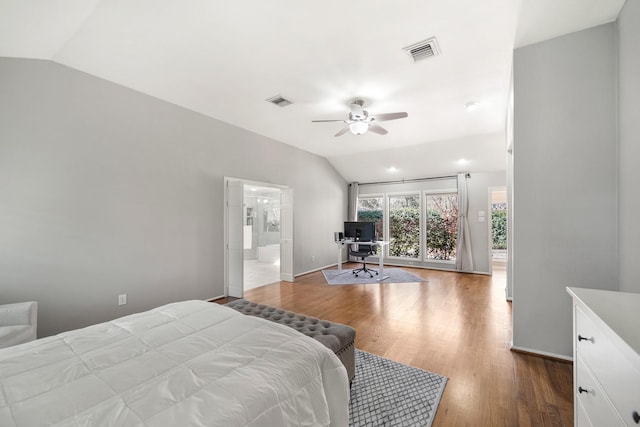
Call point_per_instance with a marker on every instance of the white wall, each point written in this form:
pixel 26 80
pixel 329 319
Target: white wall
pixel 478 187
pixel 564 185
pixel 629 146
pixel 104 191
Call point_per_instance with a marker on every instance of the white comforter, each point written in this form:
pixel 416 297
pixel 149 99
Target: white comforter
pixel 191 363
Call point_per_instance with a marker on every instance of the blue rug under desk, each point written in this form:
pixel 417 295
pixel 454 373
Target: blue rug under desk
pixel 392 275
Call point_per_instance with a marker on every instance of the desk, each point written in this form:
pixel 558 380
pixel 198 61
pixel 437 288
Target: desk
pixel 381 244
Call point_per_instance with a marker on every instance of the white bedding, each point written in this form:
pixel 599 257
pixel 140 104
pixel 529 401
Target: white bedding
pixel 191 363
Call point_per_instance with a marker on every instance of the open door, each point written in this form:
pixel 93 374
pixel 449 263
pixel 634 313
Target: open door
pixel 286 235
pixel 235 242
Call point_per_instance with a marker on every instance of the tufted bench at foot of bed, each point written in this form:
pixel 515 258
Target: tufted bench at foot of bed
pixel 337 337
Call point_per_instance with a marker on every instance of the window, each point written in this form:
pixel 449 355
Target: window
pixel 421 226
pixel 442 226
pixel 499 224
pixel 371 209
pixel 404 226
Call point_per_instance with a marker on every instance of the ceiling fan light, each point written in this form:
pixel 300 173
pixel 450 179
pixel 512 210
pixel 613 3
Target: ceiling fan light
pixel 358 128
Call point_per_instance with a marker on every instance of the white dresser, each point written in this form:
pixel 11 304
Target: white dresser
pixel 606 349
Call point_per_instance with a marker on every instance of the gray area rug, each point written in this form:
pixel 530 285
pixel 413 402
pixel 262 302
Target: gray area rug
pixel 388 393
pixel 396 275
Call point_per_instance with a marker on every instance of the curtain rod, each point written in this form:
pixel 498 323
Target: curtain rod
pixel 403 181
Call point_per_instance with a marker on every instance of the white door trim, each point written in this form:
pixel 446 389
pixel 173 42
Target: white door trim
pixel 233 238
pixel 286 247
pixel 286 235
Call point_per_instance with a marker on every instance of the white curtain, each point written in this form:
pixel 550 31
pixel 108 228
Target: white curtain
pixel 352 205
pixel 464 259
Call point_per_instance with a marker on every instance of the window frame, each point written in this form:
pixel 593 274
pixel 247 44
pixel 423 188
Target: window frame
pixel 426 194
pixel 384 212
pixel 390 195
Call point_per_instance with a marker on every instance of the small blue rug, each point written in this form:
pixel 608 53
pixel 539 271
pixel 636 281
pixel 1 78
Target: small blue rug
pixel 389 393
pixel 396 275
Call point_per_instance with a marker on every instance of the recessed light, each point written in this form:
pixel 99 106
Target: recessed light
pixel 462 161
pixel 471 106
pixel 392 169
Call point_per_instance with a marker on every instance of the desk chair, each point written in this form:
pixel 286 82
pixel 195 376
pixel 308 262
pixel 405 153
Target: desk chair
pixel 363 252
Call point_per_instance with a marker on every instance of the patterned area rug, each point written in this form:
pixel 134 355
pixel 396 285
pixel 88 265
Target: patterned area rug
pixel 388 393
pixel 396 275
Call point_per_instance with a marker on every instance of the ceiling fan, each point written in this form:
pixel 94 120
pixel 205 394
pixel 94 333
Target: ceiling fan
pixel 360 121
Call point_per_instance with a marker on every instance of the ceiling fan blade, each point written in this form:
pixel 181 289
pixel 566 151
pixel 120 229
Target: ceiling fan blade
pixel 356 110
pixel 389 116
pixel 377 129
pixel 342 131
pixel 321 121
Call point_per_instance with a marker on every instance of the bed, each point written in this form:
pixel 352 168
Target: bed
pixel 182 364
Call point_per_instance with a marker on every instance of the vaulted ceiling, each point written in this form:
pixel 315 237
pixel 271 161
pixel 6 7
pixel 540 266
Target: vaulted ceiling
pixel 225 59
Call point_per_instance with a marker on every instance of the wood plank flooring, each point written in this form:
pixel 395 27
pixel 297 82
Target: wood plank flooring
pixel 457 325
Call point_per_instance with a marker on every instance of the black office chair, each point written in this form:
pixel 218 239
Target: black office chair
pixel 363 252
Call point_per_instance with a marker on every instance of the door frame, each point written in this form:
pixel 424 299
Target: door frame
pixel 286 225
pixel 489 219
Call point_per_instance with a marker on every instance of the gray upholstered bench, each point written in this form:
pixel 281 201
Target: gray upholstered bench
pixel 337 337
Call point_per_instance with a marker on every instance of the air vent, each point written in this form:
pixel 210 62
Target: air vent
pixel 423 50
pixel 279 101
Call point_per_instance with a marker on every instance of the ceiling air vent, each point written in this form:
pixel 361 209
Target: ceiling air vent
pixel 424 49
pixel 279 101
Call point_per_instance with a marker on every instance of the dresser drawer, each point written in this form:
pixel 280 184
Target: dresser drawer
pixel 613 365
pixel 582 419
pixel 591 399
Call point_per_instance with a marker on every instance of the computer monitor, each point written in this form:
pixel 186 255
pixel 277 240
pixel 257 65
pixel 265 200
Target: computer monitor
pixel 360 231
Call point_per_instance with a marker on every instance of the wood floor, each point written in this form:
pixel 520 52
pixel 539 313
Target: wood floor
pixel 457 325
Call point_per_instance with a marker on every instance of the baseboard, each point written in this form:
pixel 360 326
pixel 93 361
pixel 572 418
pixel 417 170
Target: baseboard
pixel 318 269
pixel 543 354
pixel 287 278
pixel 425 267
pixel 484 273
pixel 215 298
pixel 392 264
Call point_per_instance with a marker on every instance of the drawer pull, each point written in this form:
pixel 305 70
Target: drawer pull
pixel 582 390
pixel 581 338
pixel 636 417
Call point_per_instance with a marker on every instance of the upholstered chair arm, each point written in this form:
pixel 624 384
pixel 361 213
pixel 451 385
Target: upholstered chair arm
pixel 22 313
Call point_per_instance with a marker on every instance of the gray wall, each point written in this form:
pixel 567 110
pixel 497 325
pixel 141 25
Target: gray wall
pixel 564 182
pixel 629 146
pixel 478 188
pixel 104 191
pixel 479 198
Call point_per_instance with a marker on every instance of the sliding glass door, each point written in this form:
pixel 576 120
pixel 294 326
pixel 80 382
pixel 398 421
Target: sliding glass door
pixel 420 226
pixel 442 226
pixel 404 226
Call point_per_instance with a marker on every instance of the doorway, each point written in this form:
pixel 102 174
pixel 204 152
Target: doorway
pixel 261 235
pixel 258 235
pixel 498 227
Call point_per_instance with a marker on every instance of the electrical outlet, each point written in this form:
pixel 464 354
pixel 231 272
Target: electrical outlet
pixel 122 299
